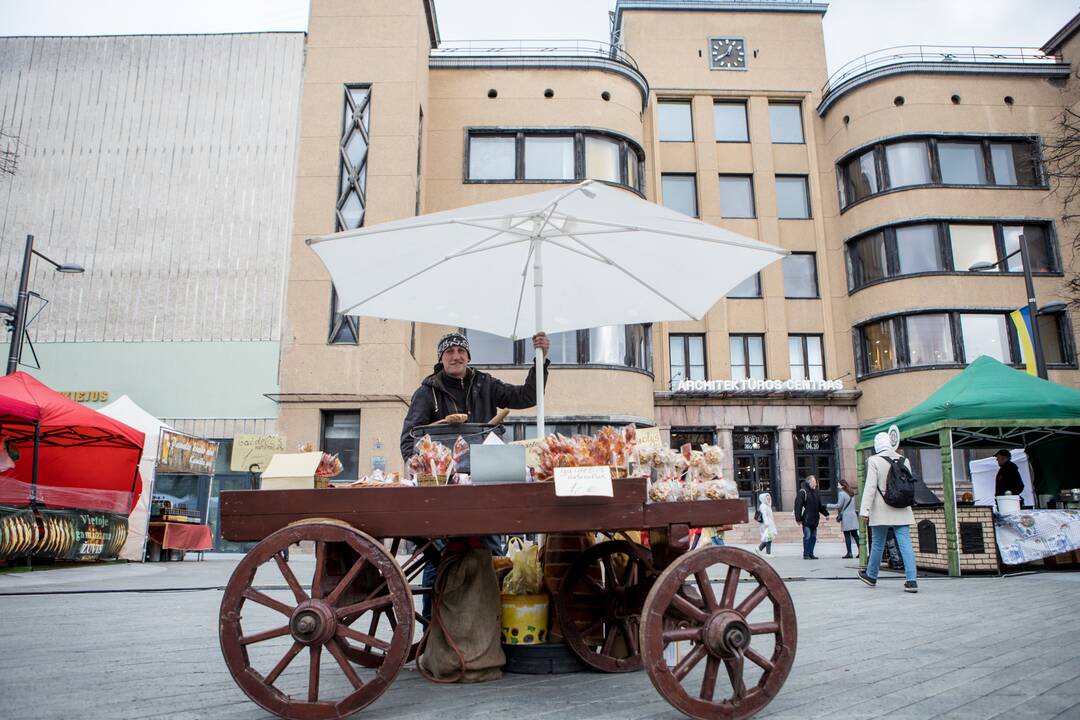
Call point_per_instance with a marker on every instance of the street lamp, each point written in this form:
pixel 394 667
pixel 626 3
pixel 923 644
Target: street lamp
pixel 1033 311
pixel 18 323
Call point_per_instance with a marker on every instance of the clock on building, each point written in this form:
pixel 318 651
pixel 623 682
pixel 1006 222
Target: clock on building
pixel 727 53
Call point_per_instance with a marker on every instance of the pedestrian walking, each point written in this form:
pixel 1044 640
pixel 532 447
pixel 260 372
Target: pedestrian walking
pixel 766 523
pixel 808 512
pixel 847 517
pixel 882 516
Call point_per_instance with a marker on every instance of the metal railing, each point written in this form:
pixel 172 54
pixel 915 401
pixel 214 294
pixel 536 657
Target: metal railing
pixel 534 49
pixel 910 54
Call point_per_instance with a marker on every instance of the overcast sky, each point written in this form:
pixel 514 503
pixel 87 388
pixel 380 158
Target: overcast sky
pixel 852 27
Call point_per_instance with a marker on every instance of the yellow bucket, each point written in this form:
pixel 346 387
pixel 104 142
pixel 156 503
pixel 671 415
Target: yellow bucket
pixel 524 619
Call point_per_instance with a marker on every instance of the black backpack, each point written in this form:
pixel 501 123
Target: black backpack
pixel 900 484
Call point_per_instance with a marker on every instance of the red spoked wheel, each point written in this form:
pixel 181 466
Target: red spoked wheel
pixel 749 629
pixel 599 604
pixel 262 631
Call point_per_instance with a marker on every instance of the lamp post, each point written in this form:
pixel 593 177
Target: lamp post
pixel 1033 311
pixel 18 323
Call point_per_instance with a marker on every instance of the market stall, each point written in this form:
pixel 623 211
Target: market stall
pixel 68 475
pixel 990 405
pixel 180 502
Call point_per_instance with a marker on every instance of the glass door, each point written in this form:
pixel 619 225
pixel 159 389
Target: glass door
pixel 815 454
pixel 754 451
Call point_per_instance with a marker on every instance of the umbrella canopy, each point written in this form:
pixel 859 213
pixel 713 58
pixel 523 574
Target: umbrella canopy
pixel 85 459
pixel 592 255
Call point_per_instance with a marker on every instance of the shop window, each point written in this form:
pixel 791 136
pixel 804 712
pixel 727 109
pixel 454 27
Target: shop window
pixel 792 197
pixel 972 244
pixel 985 335
pixel 602 159
pixel 341 436
pixel 492 157
pixel 908 163
pixel 747 357
pixel 687 358
pixel 879 346
pixel 1014 163
pixel 549 158
pixel 961 163
pixel 736 196
pixel 675 122
pixel 918 249
pixel 748 288
pixel 729 120
pixel 800 275
pixel 696 437
pixel 929 339
pixel 1039 253
pixel 805 357
pixel 680 193
pixel 785 123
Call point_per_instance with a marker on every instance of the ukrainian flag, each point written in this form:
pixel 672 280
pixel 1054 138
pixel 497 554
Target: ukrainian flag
pixel 1021 320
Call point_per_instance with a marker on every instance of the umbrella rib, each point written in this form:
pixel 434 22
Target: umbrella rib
pixel 634 277
pixel 521 293
pixel 463 253
pixel 567 248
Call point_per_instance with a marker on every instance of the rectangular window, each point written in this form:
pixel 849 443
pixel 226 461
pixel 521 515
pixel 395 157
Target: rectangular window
pixel 785 122
pixel 687 358
pixel 341 437
pixel 1052 338
pixel 861 177
pixel 972 244
pixel 807 362
pixel 1037 246
pixel 867 260
pixel 1014 163
pixel 792 197
pixel 488 349
pixel 607 345
pixel 602 159
pixel 985 335
pixel 747 357
pixel 729 119
pixel 563 350
pixel 680 193
pixel 675 122
pixel 748 288
pixel 917 249
pixel 961 163
pixel 908 163
pixel 879 346
pixel 492 157
pixel 549 158
pixel 736 196
pixel 929 339
pixel 800 275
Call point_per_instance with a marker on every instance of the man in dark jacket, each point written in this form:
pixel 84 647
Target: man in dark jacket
pixel 1008 475
pixel 807 509
pixel 455 388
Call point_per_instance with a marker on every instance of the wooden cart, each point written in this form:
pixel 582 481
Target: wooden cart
pixel 624 606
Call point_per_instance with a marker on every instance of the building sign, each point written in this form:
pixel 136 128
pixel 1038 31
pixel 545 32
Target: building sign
pixel 753 385
pixel 179 453
pixel 254 450
pixel 89 396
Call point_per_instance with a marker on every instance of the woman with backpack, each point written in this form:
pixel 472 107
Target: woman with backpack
pixel 766 523
pixel 847 517
pixel 888 475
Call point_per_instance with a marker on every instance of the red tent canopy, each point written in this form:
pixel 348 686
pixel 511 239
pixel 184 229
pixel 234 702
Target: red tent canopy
pixel 85 460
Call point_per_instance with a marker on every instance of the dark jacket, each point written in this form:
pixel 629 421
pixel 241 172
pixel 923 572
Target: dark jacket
pixel 808 506
pixel 484 395
pixel 1008 479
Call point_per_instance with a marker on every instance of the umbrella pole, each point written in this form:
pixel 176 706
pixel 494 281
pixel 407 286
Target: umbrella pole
pixel 538 289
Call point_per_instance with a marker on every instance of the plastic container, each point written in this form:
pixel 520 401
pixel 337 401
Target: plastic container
pixel 524 619
pixel 1008 504
pixel 474 434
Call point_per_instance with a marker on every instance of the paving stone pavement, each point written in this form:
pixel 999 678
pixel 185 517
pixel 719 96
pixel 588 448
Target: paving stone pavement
pixel 140 641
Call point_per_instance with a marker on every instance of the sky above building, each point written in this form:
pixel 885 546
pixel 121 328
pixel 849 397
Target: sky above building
pixel 852 27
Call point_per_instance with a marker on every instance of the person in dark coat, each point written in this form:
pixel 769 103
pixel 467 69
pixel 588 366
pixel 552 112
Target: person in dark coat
pixel 1008 475
pixel 808 508
pixel 454 387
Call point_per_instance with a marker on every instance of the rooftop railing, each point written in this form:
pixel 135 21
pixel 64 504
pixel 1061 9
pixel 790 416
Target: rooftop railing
pixel 590 49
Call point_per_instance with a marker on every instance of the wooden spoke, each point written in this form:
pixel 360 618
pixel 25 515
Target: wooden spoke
pixel 287 573
pixel 320 570
pixel 705 588
pixel 689 662
pixel 688 609
pixel 593 627
pixel 346 631
pixel 343 662
pixel 345 581
pixel 610 580
pixel 735 674
pixel 630 634
pixel 631 572
pixel 256 596
pixel 756 658
pixel 680 634
pixel 360 608
pixel 595 587
pixel 769 628
pixel 284 663
pixel 313 674
pixel 708 683
pixel 609 642
pixel 264 635
pixel 752 600
pixel 731 586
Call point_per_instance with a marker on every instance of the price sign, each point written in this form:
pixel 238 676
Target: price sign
pixel 583 481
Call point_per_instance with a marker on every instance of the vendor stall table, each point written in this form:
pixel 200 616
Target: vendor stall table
pixel 643 602
pixel 178 536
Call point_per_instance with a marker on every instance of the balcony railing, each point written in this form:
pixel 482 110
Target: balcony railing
pixel 537 49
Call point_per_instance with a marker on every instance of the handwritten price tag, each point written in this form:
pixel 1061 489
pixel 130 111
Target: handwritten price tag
pixel 583 481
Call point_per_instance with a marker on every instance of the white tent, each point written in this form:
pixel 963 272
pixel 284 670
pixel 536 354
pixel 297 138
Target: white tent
pixel 128 412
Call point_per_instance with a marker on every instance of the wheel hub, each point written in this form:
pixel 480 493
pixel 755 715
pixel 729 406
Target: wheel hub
pixel 726 634
pixel 313 623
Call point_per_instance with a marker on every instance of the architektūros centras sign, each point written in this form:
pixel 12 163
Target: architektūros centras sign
pixel 754 385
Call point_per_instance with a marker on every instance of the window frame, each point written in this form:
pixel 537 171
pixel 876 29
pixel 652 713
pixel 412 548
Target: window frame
pixel 686 338
pixel 806 195
pixel 746 119
pixel 757 284
pixel 745 338
pixel 802 128
pixel 749 177
pixel 324 416
pixel 697 199
pixel 690 115
pixel 817 282
pixel 803 337
pixel 523 353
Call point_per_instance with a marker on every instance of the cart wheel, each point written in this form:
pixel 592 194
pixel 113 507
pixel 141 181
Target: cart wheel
pixel 316 621
pixel 721 631
pixel 601 617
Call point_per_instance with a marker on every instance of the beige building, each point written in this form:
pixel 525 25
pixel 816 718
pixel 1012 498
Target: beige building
pixel 887 182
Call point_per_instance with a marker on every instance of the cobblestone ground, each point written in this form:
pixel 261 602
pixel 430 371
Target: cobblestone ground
pixel 140 641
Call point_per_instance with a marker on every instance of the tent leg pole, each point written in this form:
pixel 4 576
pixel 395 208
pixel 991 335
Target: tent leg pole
pixel 864 527
pixel 538 286
pixel 949 490
pixel 34 469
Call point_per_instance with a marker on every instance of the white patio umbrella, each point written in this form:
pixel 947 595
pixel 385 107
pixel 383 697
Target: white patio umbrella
pixel 593 254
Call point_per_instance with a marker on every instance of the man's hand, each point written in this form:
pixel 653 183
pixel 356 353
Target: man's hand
pixel 540 340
